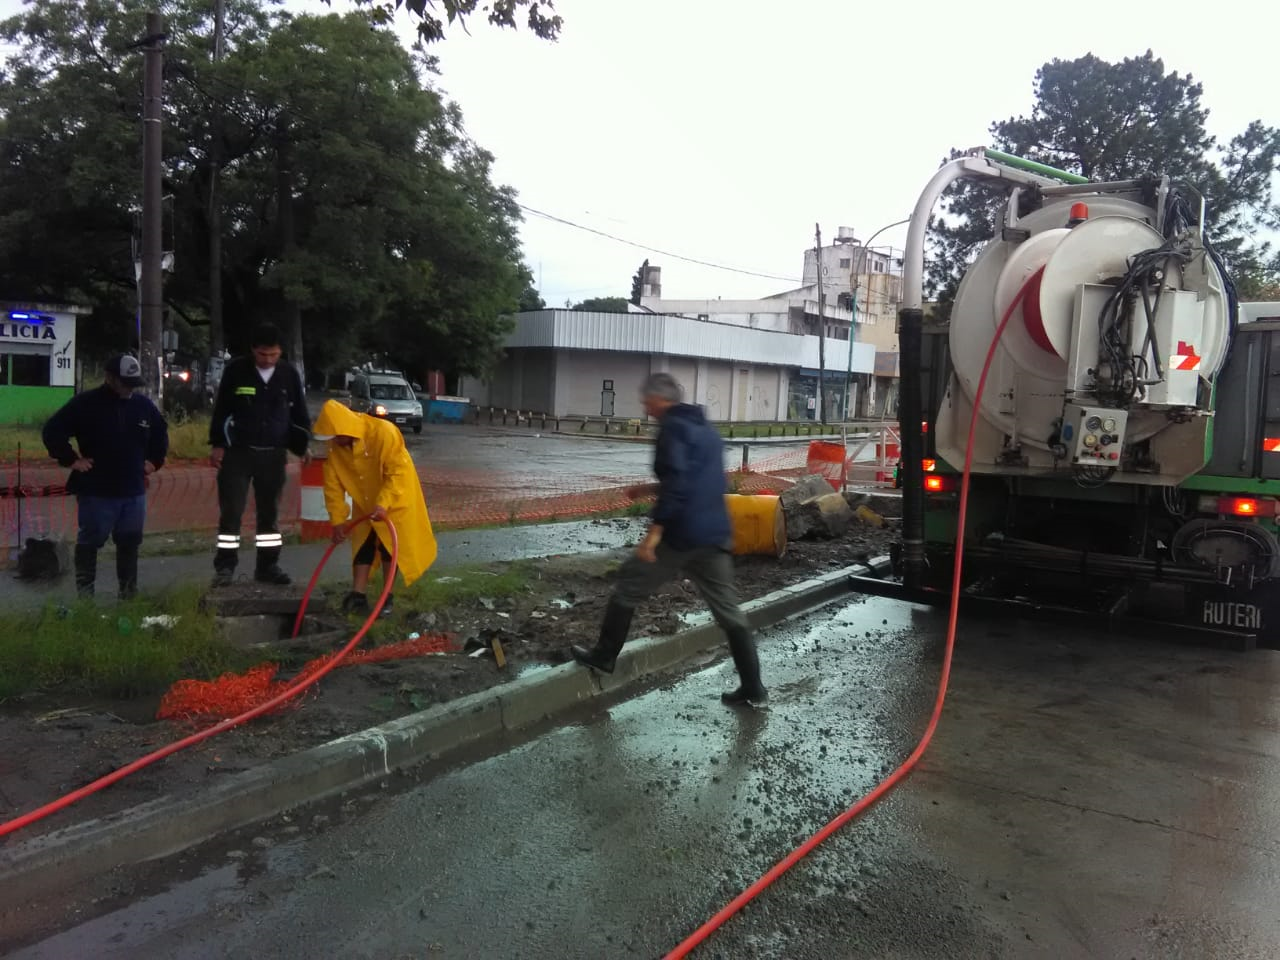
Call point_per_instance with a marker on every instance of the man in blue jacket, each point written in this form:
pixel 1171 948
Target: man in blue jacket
pixel 689 531
pixel 122 439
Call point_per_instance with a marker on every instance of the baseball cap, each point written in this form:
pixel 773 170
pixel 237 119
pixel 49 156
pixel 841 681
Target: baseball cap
pixel 126 368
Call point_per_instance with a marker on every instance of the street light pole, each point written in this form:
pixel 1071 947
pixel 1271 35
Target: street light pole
pixel 849 372
pixel 151 281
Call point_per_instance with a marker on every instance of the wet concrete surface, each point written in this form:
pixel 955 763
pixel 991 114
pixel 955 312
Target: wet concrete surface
pixel 458 548
pixel 1086 796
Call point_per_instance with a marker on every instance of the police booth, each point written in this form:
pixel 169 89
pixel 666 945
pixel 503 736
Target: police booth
pixel 37 359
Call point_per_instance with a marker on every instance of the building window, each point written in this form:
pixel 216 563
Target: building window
pixel 24 369
pixel 845 263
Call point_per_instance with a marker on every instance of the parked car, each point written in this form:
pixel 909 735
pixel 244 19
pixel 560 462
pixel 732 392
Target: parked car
pixel 389 396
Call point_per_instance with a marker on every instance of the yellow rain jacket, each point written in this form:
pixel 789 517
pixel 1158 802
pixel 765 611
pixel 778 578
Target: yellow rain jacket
pixel 376 472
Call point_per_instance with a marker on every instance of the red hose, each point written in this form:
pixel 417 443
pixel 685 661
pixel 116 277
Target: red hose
pixel 898 775
pixel 117 775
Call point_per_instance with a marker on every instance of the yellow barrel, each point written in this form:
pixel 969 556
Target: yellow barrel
pixel 759 526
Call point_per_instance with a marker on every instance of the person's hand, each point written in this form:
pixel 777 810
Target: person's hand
pixel 82 465
pixel 215 457
pixel 306 459
pixel 339 533
pixel 379 514
pixel 148 468
pixel 647 552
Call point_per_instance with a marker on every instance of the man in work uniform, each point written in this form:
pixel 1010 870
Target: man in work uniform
pixel 689 532
pixel 122 439
pixel 260 415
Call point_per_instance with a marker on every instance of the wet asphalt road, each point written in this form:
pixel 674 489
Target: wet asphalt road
pixel 1085 797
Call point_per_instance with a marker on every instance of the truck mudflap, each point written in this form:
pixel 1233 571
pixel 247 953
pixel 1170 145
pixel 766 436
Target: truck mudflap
pixel 1256 611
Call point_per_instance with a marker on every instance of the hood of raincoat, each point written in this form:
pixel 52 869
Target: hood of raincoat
pixel 336 420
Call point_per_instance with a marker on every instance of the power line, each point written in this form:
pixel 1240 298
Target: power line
pixel 664 253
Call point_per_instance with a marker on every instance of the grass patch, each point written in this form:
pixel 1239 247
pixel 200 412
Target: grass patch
pixel 465 585
pixel 99 651
pixel 188 440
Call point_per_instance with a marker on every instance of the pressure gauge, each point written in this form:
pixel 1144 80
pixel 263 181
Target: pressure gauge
pixel 1109 425
pixel 1093 423
pixel 1090 440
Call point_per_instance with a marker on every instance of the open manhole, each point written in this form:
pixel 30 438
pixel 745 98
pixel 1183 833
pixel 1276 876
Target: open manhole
pixel 250 619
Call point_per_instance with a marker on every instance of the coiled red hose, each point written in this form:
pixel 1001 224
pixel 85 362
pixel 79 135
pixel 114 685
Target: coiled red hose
pixel 900 774
pixel 117 775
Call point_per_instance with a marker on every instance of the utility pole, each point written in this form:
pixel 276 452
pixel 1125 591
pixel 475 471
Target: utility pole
pixel 217 335
pixel 822 325
pixel 152 281
pixel 284 201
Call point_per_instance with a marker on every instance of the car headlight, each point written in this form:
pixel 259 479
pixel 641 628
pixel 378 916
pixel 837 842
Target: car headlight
pixel 417 409
pixel 380 410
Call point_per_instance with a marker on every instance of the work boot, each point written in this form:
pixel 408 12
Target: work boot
pixel 388 608
pixel 272 575
pixel 613 634
pixel 355 603
pixel 127 570
pixel 86 562
pixel 750 690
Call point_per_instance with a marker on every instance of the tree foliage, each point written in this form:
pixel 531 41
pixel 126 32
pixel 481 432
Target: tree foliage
pixel 1118 121
pixel 402 242
pixel 539 15
pixel 603 305
pixel 637 283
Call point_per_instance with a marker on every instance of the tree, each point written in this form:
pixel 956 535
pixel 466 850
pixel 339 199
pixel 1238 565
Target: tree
pixel 1119 121
pixel 531 299
pixel 540 15
pixel 604 305
pixel 637 283
pixel 400 240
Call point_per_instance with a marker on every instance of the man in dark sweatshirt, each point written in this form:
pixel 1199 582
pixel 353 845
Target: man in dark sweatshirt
pixel 689 532
pixel 122 439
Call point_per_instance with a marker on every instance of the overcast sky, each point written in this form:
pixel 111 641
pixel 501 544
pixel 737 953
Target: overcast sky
pixel 723 129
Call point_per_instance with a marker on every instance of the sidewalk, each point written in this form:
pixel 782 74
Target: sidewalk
pixel 457 548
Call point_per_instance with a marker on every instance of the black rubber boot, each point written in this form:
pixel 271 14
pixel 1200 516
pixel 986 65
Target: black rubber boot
pixel 86 560
pixel 388 608
pixel 750 690
pixel 268 569
pixel 127 569
pixel 613 634
pixel 355 603
pixel 225 562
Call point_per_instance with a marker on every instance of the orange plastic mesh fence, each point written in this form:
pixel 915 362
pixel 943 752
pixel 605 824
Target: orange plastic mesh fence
pixel 183 497
pixel 234 693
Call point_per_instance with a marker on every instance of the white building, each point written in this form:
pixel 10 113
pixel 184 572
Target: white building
pixel 741 359
pixel 566 363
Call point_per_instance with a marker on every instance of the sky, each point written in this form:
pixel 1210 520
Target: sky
pixel 724 130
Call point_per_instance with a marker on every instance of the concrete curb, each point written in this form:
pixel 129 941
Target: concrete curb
pixel 164 826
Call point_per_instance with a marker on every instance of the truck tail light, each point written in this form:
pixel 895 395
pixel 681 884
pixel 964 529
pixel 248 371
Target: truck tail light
pixel 1239 506
pixel 929 465
pixel 935 483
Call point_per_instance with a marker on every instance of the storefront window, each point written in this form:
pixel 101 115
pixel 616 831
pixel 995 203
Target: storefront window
pixel 25 369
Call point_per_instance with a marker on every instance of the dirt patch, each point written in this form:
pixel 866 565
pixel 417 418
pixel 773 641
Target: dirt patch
pixel 49 746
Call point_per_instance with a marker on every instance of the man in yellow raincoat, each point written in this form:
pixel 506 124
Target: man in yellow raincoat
pixel 368 462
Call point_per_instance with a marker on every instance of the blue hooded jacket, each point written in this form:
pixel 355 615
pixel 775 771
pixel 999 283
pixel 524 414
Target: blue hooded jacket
pixel 689 462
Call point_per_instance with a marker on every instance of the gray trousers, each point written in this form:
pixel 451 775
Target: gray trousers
pixel 710 569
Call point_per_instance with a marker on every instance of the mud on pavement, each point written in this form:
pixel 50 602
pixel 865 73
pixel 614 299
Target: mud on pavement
pixel 49 746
